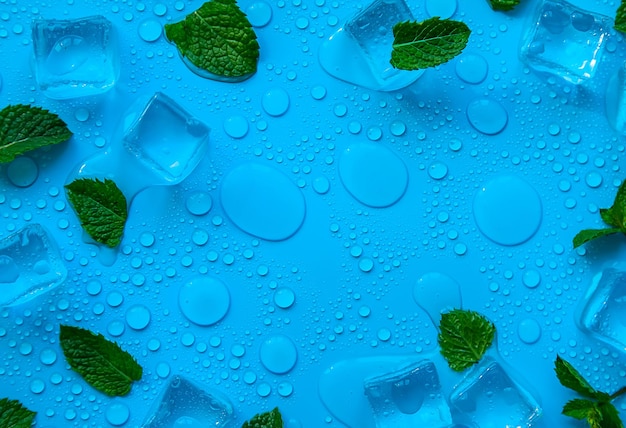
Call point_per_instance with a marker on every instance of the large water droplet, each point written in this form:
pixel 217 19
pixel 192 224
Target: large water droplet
pixel 278 354
pixel 487 116
pixel 204 300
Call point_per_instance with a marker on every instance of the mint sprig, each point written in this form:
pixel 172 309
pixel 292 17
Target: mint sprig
pixel 101 208
pixel 596 408
pixel 503 5
pixel 428 43
pixel 24 128
pixel 464 337
pixel 271 419
pixel 620 17
pixel 217 38
pixel 614 217
pixel 13 414
pixel 102 363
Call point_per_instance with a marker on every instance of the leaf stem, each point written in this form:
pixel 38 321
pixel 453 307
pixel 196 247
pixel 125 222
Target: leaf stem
pixel 617 393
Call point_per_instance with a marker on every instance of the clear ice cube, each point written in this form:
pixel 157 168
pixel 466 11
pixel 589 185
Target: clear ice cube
pixel 165 138
pixel 29 265
pixel 75 58
pixel 601 313
pixel 409 397
pixel 565 41
pixel 488 397
pixel 615 100
pixel 184 404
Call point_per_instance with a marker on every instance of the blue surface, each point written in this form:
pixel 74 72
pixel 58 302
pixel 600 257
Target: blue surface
pixel 327 224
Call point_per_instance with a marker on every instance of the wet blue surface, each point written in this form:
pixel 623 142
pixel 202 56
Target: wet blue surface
pixel 327 224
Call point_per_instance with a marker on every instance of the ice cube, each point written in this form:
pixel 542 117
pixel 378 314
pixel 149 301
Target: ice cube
pixel 601 312
pixel 565 41
pixel 29 265
pixel 408 397
pixel 615 100
pixel 165 138
pixel 488 397
pixel 185 404
pixel 75 58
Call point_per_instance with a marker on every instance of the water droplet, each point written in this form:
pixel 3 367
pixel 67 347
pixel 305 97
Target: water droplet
pixel 373 175
pixel 366 265
pixel 275 102
pixel 236 126
pixel 321 185
pixel 508 210
pixel 262 201
pixel 284 297
pixel 117 414
pixel 199 203
pixel 48 356
pixel 531 278
pixel 438 170
pixel 529 331
pixel 37 386
pixel 259 14
pixel 441 8
pixel 318 92
pixel 22 172
pixel 487 116
pixel 593 180
pixel 435 293
pixel 285 389
pixel 116 328
pixel 278 354
pixel 81 114
pixel 138 317
pixel 150 30
pixel 472 68
pixel 204 300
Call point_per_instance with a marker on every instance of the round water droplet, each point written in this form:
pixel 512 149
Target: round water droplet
pixel 487 116
pixel 472 68
pixel 318 92
pixel 262 201
pixel 373 175
pixel 593 180
pixel 150 30
pixel 259 14
pixel 531 278
pixel 22 172
pixel 199 203
pixel 48 356
pixel 285 389
pixel 278 354
pixel 81 114
pixel 438 170
pixel 441 8
pixel 397 128
pixel 284 297
pixel 321 185
pixel 138 317
pixel 204 300
pixel 117 414
pixel 37 386
pixel 275 102
pixel 116 328
pixel 529 331
pixel 508 210
pixel 366 265
pixel 236 126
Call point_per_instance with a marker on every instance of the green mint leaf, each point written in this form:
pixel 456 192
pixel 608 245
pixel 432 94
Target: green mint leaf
pixel 101 208
pixel 24 128
pixel 217 38
pixel 609 415
pixel 13 414
pixel 428 43
pixel 102 363
pixel 616 215
pixel 572 379
pixel 587 235
pixel 503 5
pixel 609 217
pixel 620 17
pixel 464 336
pixel 271 419
pixel 580 408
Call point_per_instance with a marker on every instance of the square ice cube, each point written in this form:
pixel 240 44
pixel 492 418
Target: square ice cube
pixel 601 313
pixel 409 397
pixel 372 29
pixel 165 138
pixel 565 40
pixel 488 397
pixel 184 404
pixel 29 265
pixel 75 58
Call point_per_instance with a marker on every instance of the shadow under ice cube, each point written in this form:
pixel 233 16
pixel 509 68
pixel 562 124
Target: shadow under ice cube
pixel 603 309
pixel 185 405
pixel 565 41
pixel 75 58
pixel 489 398
pixel 409 397
pixel 29 265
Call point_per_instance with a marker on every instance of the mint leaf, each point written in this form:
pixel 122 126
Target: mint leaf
pixel 271 419
pixel 610 217
pixel 101 208
pixel 103 364
pixel 587 235
pixel 616 215
pixel 24 128
pixel 217 38
pixel 609 416
pixel 13 414
pixel 428 43
pixel 620 17
pixel 580 408
pixel 503 5
pixel 464 336
pixel 572 379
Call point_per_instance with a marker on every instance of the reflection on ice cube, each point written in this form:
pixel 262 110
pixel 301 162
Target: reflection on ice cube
pixel 166 138
pixel 489 398
pixel 360 51
pixel 185 404
pixel 603 308
pixel 29 265
pixel 75 58
pixel 565 40
pixel 409 397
